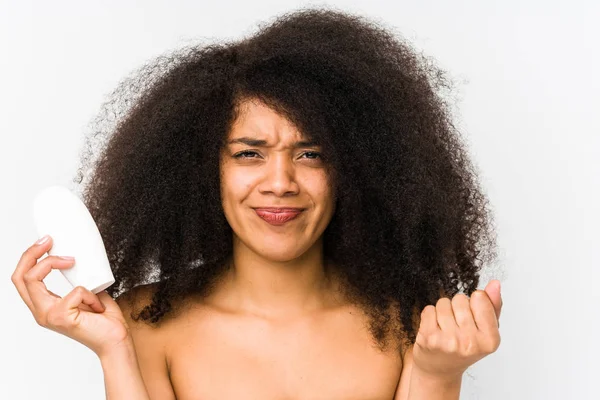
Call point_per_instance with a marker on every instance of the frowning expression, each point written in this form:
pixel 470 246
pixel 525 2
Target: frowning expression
pixel 268 163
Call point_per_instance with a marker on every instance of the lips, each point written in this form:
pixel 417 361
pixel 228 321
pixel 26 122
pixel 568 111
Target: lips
pixel 278 216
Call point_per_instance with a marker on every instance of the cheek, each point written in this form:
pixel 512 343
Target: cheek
pixel 322 192
pixel 235 185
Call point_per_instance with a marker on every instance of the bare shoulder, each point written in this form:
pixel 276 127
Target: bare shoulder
pixel 147 336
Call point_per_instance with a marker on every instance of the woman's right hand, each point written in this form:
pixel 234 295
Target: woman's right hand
pixel 96 321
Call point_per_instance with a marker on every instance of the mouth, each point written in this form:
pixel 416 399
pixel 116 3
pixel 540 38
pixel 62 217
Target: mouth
pixel 278 216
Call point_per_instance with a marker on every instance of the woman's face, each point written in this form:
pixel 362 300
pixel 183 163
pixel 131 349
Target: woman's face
pixel 277 173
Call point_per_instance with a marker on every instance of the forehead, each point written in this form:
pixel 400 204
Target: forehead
pixel 256 119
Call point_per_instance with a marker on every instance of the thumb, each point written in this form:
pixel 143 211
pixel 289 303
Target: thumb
pixel 108 301
pixel 493 291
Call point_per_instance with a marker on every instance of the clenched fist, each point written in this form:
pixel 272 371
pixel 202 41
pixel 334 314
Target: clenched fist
pixel 456 333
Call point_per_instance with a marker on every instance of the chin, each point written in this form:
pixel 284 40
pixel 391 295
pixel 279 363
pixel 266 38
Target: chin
pixel 278 250
pixel 284 254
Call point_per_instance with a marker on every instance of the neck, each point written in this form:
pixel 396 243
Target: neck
pixel 277 289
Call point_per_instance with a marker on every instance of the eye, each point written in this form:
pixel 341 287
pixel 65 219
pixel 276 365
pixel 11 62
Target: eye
pixel 243 154
pixel 240 154
pixel 318 155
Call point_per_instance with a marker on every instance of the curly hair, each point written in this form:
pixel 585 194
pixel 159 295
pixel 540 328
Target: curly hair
pixel 411 224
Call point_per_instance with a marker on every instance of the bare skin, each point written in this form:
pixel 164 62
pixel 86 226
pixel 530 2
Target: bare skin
pixel 276 326
pixel 211 348
pixel 212 351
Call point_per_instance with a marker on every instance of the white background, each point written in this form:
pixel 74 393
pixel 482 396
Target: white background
pixel 529 107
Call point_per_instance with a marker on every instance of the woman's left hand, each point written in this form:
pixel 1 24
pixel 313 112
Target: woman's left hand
pixel 456 333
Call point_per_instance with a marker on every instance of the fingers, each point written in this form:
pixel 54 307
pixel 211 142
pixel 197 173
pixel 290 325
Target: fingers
pixel 483 312
pixel 29 274
pixel 108 302
pixel 429 320
pixel 26 262
pixel 41 270
pixel 66 314
pixel 445 315
pixel 493 291
pixel 40 297
pixel 81 295
pixel 466 326
pixel 462 312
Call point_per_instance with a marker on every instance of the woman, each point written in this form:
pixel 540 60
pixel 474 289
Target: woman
pixel 287 216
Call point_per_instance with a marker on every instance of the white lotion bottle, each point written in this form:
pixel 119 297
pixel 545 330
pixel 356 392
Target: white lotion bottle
pixel 60 213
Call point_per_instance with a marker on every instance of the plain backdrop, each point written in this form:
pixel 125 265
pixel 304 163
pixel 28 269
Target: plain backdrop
pixel 528 101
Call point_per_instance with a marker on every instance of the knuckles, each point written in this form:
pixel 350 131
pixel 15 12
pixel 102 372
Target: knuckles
pixel 428 309
pixel 460 298
pixel 451 345
pixel 492 344
pixel 460 344
pixel 80 291
pixel 28 277
pixel 479 296
pixel 441 301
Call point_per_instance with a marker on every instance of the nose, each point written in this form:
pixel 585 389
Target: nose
pixel 279 176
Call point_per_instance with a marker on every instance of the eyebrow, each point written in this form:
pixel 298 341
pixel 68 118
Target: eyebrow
pixel 263 143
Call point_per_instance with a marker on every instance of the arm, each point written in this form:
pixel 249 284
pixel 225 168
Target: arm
pixel 122 375
pixel 98 322
pixel 415 385
pixel 138 370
